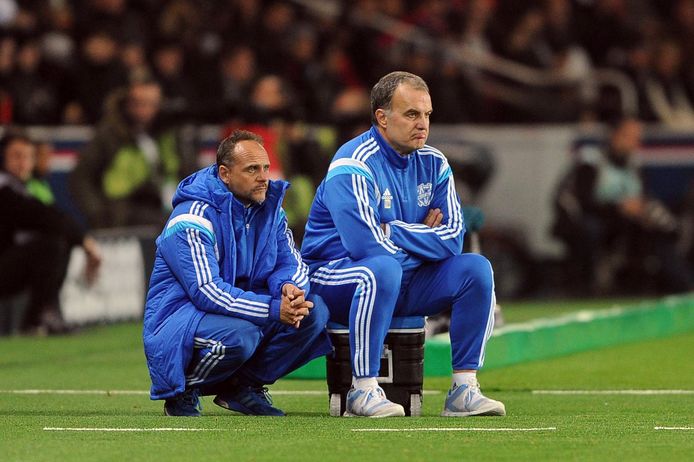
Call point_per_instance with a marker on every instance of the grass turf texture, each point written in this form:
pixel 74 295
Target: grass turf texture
pixel 588 427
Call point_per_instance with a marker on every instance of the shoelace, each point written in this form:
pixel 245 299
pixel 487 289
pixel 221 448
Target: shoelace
pixel 264 393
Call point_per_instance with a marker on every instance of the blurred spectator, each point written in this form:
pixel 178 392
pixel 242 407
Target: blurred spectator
pixel 177 86
pixel 559 22
pixel 127 173
pixel 350 112
pixel 133 58
pixel 98 72
pixel 666 97
pixel 57 41
pixel 276 25
pixel 96 44
pixel 525 42
pixel 305 72
pixel 34 87
pixel 35 240
pixel 636 66
pixel 226 97
pixel 338 73
pixel 182 19
pixel 611 226
pixel 238 20
pixel 453 94
pixel 475 21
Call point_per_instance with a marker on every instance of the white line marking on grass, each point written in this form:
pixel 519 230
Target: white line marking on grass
pixel 143 392
pixel 455 429
pixel 160 429
pixel 673 428
pixel 75 392
pixel 613 392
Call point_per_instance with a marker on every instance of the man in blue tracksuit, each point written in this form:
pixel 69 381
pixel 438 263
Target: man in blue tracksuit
pixel 228 309
pixel 384 237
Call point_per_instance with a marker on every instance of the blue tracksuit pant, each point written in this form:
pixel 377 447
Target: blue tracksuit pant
pixel 366 294
pixel 232 350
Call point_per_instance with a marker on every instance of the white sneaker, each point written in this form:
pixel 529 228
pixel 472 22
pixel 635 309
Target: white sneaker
pixel 466 400
pixel 371 402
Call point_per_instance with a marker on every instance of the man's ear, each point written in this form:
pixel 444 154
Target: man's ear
pixel 224 174
pixel 381 118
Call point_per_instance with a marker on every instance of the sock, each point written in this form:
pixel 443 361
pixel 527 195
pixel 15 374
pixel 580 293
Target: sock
pixel 464 378
pixel 364 382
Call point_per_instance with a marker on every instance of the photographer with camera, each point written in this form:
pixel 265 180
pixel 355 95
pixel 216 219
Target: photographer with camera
pixel 616 235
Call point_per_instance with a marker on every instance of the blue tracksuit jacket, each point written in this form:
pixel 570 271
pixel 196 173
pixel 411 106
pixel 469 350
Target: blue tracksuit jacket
pixel 369 183
pixel 195 271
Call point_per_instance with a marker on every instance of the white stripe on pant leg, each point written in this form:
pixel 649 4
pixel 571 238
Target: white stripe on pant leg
pixel 490 321
pixel 202 343
pixel 364 296
pixel 357 338
pixel 209 356
pixel 194 374
pixel 367 302
pixel 202 367
pixel 219 353
pixel 366 281
pixel 367 329
pixel 202 371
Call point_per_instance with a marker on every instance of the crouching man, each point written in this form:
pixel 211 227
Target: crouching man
pixel 228 309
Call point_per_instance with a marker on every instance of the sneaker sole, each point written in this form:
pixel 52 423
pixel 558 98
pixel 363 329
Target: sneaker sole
pixel 392 413
pixel 493 411
pixel 232 407
pixel 240 408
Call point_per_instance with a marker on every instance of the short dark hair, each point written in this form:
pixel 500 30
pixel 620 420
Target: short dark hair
pixel 382 92
pixel 10 136
pixel 225 150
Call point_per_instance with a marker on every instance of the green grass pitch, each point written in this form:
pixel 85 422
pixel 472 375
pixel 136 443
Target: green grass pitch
pixel 538 426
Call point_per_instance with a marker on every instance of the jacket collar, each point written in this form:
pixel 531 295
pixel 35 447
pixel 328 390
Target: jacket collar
pixel 391 155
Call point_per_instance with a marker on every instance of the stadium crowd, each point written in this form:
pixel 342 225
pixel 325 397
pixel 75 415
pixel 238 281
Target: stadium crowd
pixel 60 59
pixel 141 72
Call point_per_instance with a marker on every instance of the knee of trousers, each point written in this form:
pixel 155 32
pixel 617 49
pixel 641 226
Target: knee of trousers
pixel 475 270
pixel 319 315
pixel 244 345
pixel 385 272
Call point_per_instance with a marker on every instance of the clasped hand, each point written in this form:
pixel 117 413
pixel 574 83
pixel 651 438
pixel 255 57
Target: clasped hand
pixel 294 307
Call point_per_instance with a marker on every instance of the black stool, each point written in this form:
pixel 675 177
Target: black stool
pixel 402 365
